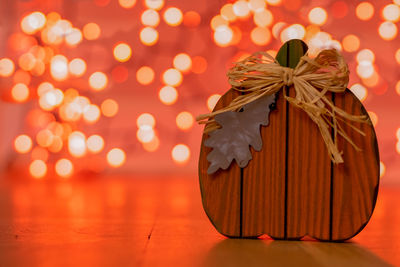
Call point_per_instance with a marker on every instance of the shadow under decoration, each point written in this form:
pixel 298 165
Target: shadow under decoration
pixel 308 167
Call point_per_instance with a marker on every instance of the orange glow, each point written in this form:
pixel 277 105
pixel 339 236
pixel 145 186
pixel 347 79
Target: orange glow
pixel 6 67
pixel 237 35
pixel 295 31
pixel 180 153
pixel 351 43
pixel 371 81
pixel 263 18
pixel 77 67
pixel 365 69
pixel 191 19
pixel 260 36
pixel 59 67
pixel 172 77
pixel 77 144
pixel 257 5
pixel 116 157
pixel 91 113
pixel 145 119
pixel 64 168
pixel 95 143
pixel 22 144
pixel 122 52
pixel 168 95
pixel 173 16
pixel 33 22
pixel 373 117
pixel 127 3
pixel 51 99
pixel 212 101
pixel 27 61
pixel 20 92
pixel 223 35
pixel 397 56
pixel 182 62
pixel 109 108
pixel 382 169
pixel 39 153
pixel 56 145
pixel 391 12
pixel 44 138
pixel 150 17
pixel 227 12
pixel 184 120
pixel 241 8
pixel 317 16
pixel 360 91
pixel 365 55
pixel 38 169
pixel 98 81
pixel 56 128
pixel 145 134
pixel 145 75
pixel 73 37
pixel 154 4
pixel 387 30
pixel 148 36
pixel 365 11
pixel 120 74
pixel 218 21
pixel 398 87
pixel 274 2
pixel 91 31
pixel 277 28
pixel 339 9
pixel 199 64
pixel 152 145
pixel 38 69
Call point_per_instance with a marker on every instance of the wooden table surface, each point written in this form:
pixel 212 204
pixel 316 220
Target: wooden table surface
pixel 159 221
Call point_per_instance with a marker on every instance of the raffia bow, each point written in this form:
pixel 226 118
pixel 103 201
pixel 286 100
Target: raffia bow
pixel 261 75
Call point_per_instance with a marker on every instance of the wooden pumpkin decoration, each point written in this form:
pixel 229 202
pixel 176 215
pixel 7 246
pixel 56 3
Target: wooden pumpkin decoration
pixel 286 183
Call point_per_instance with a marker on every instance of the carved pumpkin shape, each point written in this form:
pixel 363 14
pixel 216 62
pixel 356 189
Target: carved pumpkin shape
pixel 290 188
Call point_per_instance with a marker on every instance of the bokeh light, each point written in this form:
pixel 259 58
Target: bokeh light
pixel 59 67
pixel 365 55
pixel 241 9
pixel 91 31
pixel 145 134
pixel 38 169
pixel 212 101
pixel 74 37
pixel 20 92
pixel 98 81
pixel 150 17
pixel 184 120
pixel 6 67
pixel 191 19
pixel 263 18
pixel 91 113
pixel 116 157
pixel 64 168
pixel 397 56
pixel 398 87
pixel 260 36
pixel 274 2
pixel 109 108
pixel 317 16
pixel 180 153
pixel 33 22
pixel 122 52
pixel 382 169
pixel 227 12
pixel 148 36
pixel 153 145
pixel 391 12
pixel 154 4
pixel 173 16
pixel 223 35
pixel 182 62
pixel 168 95
pixel 77 67
pixel 364 11
pixel 40 153
pixel 145 75
pixel 351 43
pixel 23 144
pixel 77 144
pixel 360 91
pixel 199 64
pixel 95 143
pixel 387 30
pixel 127 3
pixel 172 77
pixel 145 119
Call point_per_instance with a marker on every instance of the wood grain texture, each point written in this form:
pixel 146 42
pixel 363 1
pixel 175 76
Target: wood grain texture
pixel 264 179
pixel 308 177
pixel 221 190
pixel 356 181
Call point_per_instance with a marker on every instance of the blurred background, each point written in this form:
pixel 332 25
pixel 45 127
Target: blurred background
pixel 95 87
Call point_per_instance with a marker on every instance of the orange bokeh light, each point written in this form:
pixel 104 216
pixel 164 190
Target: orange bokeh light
pixel 212 101
pixel 127 3
pixel 116 157
pixel 145 75
pixel 73 37
pixel 146 119
pixel 91 113
pixel 150 17
pixel 260 36
pixel 95 143
pixel 168 95
pixel 22 144
pixel 59 67
pixel 33 22
pixel 182 62
pixel 122 52
pixel 391 12
pixel 38 169
pixel 148 36
pixel 20 92
pixel 317 16
pixel 64 168
pixel 387 30
pixel 172 77
pixel 263 18
pixel 98 81
pixel 91 31
pixel 184 120
pixel 241 9
pixel 191 19
pixel 199 64
pixel 180 153
pixel 154 4
pixel 77 67
pixel 152 145
pixel 6 67
pixel 39 153
pixel 77 144
pixel 173 16
pixel 109 108
pixel 351 43
pixel 227 12
pixel 364 11
pixel 223 35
